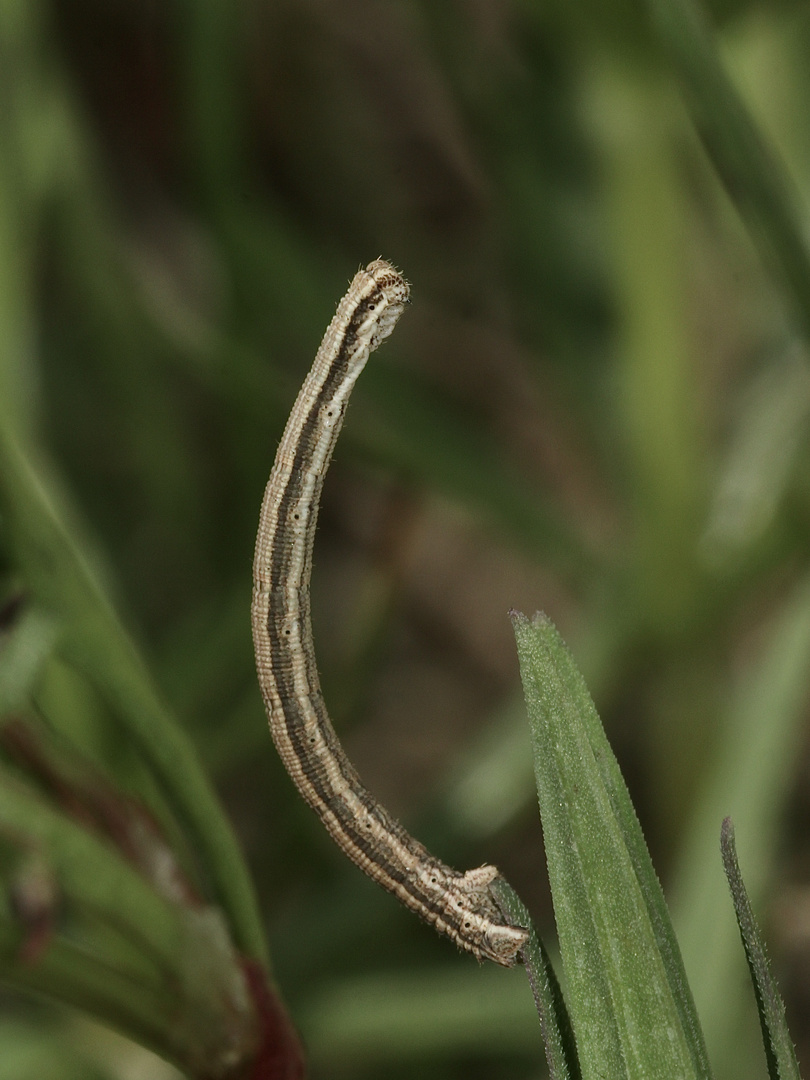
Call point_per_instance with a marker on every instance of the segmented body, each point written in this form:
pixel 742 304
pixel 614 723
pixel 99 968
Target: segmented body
pixel 460 905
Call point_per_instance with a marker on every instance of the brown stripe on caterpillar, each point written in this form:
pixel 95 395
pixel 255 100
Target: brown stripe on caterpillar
pixel 460 905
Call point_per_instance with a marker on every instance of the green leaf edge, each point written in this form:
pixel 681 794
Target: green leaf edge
pixel 749 168
pixel 630 830
pixel 555 1023
pixel 779 1050
pixel 62 580
pixel 162 974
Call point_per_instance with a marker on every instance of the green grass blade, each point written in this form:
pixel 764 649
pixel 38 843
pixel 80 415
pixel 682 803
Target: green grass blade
pixel 750 170
pixel 61 579
pixel 658 433
pixel 555 1023
pixel 629 1003
pixel 24 650
pixel 164 974
pixel 748 782
pixel 646 876
pixel 779 1051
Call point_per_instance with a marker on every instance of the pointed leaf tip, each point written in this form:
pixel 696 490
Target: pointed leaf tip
pixel 539 619
pixel 626 1003
pixel 779 1051
pixel 727 835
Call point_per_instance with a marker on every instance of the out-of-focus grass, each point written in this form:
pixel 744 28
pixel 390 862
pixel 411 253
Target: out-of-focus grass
pixel 599 386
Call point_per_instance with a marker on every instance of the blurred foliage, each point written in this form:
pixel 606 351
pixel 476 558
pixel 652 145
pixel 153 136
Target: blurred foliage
pixel 597 404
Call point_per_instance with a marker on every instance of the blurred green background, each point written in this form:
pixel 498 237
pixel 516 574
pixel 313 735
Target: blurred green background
pixel 597 404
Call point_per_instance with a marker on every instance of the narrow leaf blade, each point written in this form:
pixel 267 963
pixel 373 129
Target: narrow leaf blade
pixel 555 1023
pixel 628 1001
pixel 779 1051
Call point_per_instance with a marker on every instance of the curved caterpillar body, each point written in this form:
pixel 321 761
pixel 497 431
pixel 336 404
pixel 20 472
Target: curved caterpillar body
pixel 460 905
